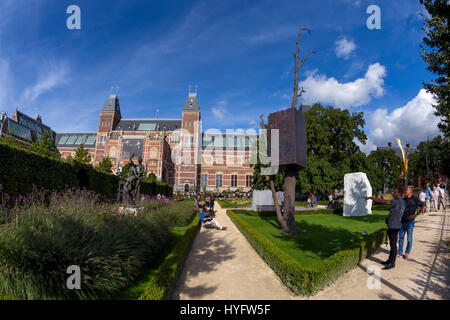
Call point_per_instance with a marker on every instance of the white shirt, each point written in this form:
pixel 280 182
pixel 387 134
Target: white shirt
pixel 422 196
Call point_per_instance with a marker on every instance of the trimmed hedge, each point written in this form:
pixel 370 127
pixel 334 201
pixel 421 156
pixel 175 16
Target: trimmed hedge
pixel 308 280
pixel 161 285
pixel 297 212
pixel 21 169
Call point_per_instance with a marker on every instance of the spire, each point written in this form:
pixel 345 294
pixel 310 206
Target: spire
pixel 112 104
pixel 191 102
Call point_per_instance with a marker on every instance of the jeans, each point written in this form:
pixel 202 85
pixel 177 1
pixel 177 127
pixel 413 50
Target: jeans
pixel 407 227
pixel 393 235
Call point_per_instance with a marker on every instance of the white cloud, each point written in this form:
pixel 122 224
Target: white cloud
pixel 48 80
pixel 412 123
pixel 344 95
pixel 220 111
pixel 344 48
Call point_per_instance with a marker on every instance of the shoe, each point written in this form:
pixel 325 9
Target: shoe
pixel 385 262
pixel 389 266
pixel 406 256
pixel 399 255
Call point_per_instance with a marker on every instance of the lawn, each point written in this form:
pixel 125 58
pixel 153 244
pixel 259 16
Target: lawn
pixel 326 234
pixel 236 203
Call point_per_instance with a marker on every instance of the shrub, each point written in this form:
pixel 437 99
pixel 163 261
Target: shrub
pixel 38 242
pixel 161 284
pixel 21 169
pixel 307 280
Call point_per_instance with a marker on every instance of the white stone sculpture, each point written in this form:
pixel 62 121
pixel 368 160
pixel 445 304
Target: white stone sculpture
pixel 356 188
pixel 262 200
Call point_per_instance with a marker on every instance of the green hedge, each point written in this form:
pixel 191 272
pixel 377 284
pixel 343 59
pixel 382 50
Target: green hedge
pixel 297 212
pixel 307 280
pixel 160 286
pixel 21 169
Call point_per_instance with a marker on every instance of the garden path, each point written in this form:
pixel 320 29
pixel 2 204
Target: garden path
pixel 223 265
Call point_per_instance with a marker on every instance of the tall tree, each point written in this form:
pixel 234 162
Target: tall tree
pixel 331 136
pixel 82 155
pixel 46 146
pixel 437 57
pixel 387 166
pixel 105 165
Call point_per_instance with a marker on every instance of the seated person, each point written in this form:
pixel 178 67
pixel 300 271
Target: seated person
pixel 208 221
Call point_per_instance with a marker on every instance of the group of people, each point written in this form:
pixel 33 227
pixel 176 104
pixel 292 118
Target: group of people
pixel 434 197
pixel 206 213
pixel 312 201
pixel 401 220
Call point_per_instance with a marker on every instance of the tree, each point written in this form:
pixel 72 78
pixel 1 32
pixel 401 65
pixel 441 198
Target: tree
pixel 105 165
pixel 82 155
pixel 45 146
pixel 387 166
pixel 437 57
pixel 332 151
pixel 430 160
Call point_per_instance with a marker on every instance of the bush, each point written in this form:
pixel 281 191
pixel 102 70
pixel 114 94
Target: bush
pixel 307 280
pixel 21 169
pixel 39 242
pixel 161 284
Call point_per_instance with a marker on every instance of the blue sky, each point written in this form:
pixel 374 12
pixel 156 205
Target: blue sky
pixel 237 52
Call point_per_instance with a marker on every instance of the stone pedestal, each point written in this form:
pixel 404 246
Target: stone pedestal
pixel 131 210
pixel 356 188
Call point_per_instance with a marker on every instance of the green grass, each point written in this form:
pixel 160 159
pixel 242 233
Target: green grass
pixel 134 292
pixel 239 203
pixel 326 234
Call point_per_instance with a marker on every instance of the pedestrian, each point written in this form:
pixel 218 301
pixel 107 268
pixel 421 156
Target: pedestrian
pixel 423 196
pixel 330 199
pixel 428 197
pixel 314 201
pixel 441 198
pixel 408 221
pixel 309 201
pixel 434 199
pixel 393 220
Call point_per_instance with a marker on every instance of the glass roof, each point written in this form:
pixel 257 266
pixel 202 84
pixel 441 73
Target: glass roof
pixel 80 139
pixel 91 140
pixel 71 139
pixel 147 127
pixel 63 139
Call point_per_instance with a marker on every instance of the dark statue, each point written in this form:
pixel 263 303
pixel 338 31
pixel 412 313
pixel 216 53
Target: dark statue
pixel 133 182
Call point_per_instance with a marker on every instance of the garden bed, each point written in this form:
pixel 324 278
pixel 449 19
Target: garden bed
pixel 39 241
pixel 237 203
pixel 307 262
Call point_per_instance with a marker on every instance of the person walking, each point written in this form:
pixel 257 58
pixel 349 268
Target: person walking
pixel 408 221
pixel 434 200
pixel 393 220
pixel 428 197
pixel 441 198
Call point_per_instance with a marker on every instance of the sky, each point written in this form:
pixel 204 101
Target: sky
pixel 238 53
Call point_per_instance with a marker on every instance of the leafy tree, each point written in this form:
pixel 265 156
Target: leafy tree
pixel 82 155
pixel 332 151
pixel 46 146
pixel 151 177
pixel 105 165
pixel 387 168
pixel 430 160
pixel 437 57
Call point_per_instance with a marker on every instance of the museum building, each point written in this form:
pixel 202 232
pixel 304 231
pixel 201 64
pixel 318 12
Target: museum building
pixel 176 150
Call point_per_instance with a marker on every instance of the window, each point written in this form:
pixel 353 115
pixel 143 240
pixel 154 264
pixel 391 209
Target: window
pixel 218 180
pixel 233 180
pixel 204 180
pixel 248 180
pixel 101 140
